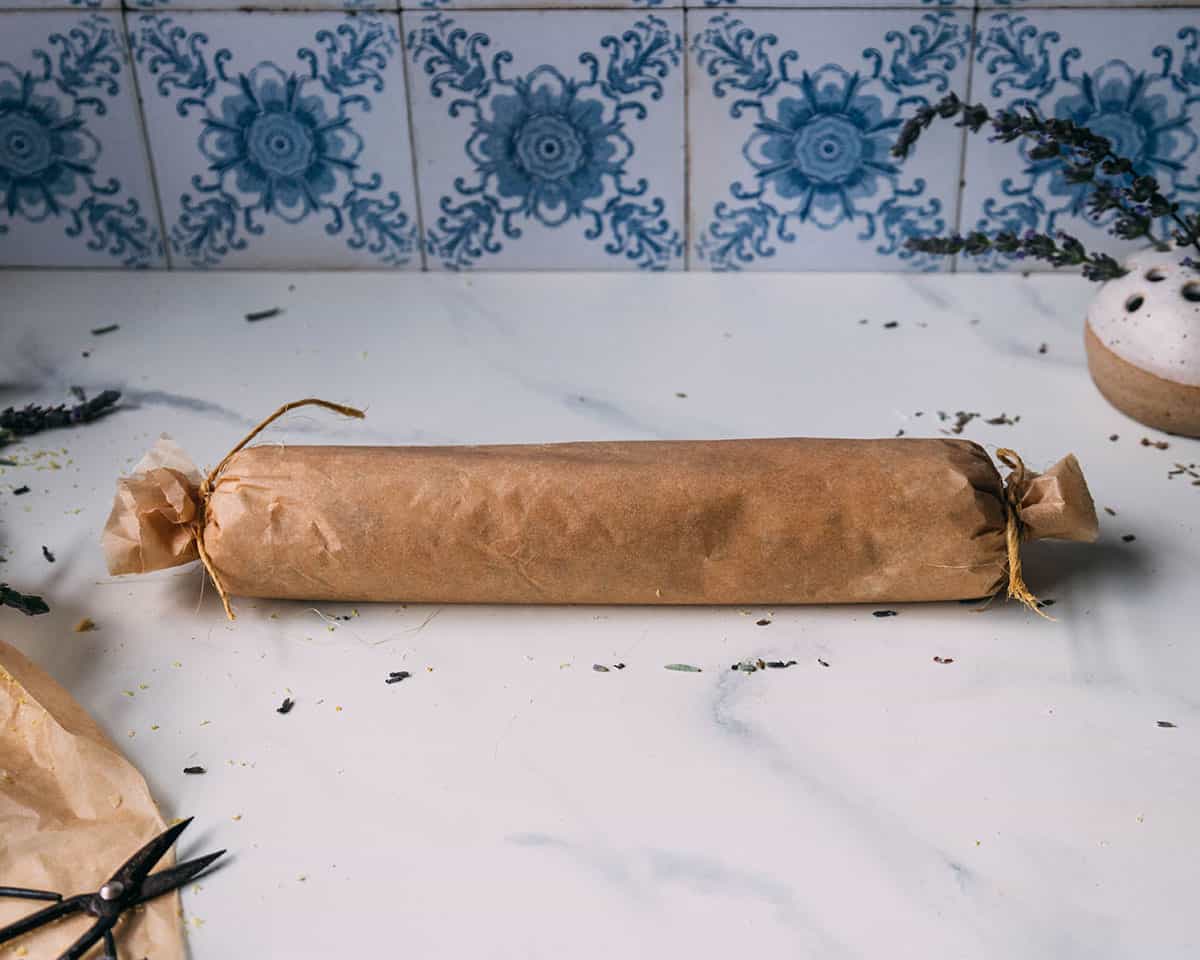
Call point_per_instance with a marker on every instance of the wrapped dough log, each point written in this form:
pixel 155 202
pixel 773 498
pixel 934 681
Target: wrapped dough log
pixel 778 521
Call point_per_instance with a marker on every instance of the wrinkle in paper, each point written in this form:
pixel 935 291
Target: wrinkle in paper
pixel 773 521
pixel 72 810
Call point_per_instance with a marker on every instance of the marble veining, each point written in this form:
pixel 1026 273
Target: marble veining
pixel 1018 799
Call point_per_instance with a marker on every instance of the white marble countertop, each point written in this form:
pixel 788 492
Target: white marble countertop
pixel 509 801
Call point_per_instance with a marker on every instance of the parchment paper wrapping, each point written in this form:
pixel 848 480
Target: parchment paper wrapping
pixel 674 522
pixel 72 810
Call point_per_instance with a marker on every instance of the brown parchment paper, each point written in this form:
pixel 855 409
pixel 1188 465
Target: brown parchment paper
pixel 72 810
pixel 774 521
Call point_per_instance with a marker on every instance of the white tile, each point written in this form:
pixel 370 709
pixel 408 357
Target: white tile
pixel 792 115
pixel 75 188
pixel 1130 75
pixel 279 140
pixel 549 140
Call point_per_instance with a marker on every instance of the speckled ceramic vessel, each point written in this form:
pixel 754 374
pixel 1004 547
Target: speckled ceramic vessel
pixel 1143 342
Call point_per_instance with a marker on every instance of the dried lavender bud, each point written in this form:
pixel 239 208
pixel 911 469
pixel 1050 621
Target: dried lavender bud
pixel 33 418
pixel 1137 199
pixel 26 603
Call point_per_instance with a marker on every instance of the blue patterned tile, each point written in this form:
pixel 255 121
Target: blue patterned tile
pixel 650 5
pixel 279 140
pixel 74 184
pixel 549 140
pixel 1017 6
pixel 792 115
pixel 1131 75
pixel 47 5
pixel 180 6
pixel 714 5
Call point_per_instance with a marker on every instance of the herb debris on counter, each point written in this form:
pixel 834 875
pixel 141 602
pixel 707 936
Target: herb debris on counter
pixel 255 315
pixel 100 331
pixel 47 554
pixel 194 770
pixel 21 490
pixel 26 603
pixel 286 706
pixel 682 668
pixel 397 675
pixel 886 613
pixel 33 418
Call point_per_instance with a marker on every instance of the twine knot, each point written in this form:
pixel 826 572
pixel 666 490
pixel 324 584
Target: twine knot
pixel 210 481
pixel 1014 529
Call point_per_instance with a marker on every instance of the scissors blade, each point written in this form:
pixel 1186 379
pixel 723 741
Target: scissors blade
pixel 134 870
pixel 165 881
pixel 40 917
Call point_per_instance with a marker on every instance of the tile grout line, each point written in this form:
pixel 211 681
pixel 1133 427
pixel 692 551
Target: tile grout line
pixel 961 185
pixel 687 147
pixel 412 140
pixel 144 131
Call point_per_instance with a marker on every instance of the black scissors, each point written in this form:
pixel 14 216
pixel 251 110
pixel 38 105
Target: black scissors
pixel 128 887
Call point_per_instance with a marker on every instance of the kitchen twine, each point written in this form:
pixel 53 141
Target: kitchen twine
pixel 1014 530
pixel 207 484
pixel 1014 489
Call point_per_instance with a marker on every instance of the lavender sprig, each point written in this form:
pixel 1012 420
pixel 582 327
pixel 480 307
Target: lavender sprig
pixel 33 418
pixel 1136 199
pixel 1065 252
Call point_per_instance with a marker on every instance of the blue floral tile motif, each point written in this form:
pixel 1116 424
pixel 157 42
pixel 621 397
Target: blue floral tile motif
pixel 278 145
pixel 351 5
pixel 817 139
pixel 714 4
pixel 1145 101
pixel 535 4
pixel 51 168
pixel 548 148
pixel 75 5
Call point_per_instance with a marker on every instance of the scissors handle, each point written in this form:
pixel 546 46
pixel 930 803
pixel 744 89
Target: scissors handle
pixel 22 893
pixel 40 917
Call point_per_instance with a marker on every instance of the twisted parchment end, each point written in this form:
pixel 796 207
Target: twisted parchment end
pixel 1058 505
pixel 153 514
